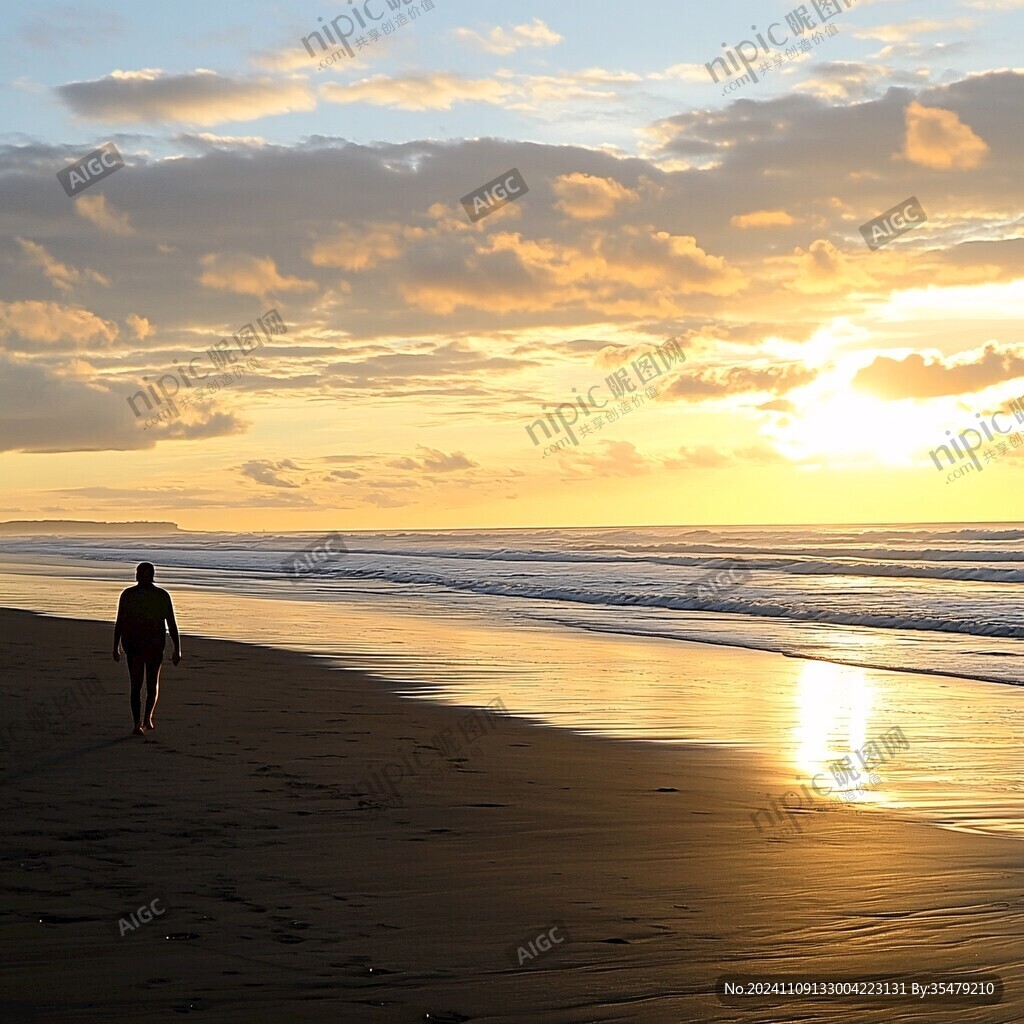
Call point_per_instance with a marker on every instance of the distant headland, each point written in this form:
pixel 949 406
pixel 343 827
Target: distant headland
pixel 74 527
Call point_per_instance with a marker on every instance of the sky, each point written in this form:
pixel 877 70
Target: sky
pixel 686 250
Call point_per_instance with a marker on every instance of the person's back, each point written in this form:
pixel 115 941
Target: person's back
pixel 142 612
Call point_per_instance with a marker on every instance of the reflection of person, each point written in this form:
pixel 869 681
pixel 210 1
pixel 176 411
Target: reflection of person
pixel 139 630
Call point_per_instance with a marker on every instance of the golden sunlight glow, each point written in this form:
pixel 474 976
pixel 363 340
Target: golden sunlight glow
pixel 834 424
pixel 968 302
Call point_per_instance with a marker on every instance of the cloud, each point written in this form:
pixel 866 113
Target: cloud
pixel 542 93
pixel 140 326
pixel 51 325
pixel 405 373
pixel 198 97
pixel 200 425
pixel 248 275
pixel 209 142
pixel 508 40
pixel 403 312
pixel 60 275
pixel 710 457
pixel 67 25
pixel 291 59
pixel 782 405
pixel 385 501
pixel 435 461
pixel 263 471
pixel 912 30
pixel 824 269
pixel 683 73
pixel 584 197
pixel 845 80
pixel 435 91
pixel 924 52
pixel 46 413
pixel 633 269
pixel 917 377
pixel 937 138
pixel 362 247
pixel 695 386
pixel 762 219
pixel 605 459
pixel 94 208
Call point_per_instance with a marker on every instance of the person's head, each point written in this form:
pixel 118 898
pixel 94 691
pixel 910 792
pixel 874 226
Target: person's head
pixel 144 572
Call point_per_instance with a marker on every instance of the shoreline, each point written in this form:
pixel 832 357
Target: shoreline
pixel 803 656
pixel 799 714
pixel 904 649
pixel 285 894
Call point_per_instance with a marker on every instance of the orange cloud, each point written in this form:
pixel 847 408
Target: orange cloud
pixel 823 268
pixel 51 324
pixel 938 139
pixel 635 271
pixel 762 219
pixel 915 377
pixel 364 247
pixel 60 275
pixel 248 275
pixel 140 326
pixel 94 208
pixel 583 197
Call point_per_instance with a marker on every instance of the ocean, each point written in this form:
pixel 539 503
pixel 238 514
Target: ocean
pixel 625 632
pixel 922 597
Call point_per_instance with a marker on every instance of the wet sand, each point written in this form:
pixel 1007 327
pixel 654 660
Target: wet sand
pixel 286 892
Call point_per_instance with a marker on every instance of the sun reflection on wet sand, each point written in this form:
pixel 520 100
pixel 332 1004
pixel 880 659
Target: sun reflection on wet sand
pixel 834 705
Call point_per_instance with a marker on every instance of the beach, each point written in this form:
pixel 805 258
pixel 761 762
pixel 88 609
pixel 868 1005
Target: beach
pixel 577 458
pixel 286 891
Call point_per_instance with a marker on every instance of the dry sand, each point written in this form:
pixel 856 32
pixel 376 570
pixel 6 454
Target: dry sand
pixel 288 897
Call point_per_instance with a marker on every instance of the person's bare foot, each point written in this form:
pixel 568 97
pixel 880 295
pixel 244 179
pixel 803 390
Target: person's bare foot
pixel 138 731
pixel 150 726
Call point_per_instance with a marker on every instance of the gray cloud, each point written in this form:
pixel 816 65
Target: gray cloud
pixel 198 97
pixel 263 471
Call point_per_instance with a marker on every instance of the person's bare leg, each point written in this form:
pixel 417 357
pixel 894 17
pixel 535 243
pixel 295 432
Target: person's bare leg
pixel 152 690
pixel 136 670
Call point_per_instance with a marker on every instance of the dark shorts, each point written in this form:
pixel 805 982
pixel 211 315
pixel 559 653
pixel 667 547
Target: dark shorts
pixel 150 653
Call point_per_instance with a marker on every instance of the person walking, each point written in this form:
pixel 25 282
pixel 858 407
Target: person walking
pixel 139 631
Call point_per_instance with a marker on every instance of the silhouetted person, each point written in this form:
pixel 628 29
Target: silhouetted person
pixel 139 630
